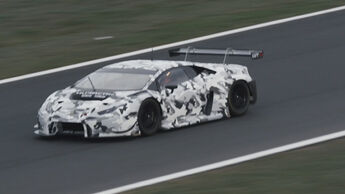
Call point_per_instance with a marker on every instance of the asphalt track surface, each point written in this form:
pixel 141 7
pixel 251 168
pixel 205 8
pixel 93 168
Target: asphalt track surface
pixel 301 87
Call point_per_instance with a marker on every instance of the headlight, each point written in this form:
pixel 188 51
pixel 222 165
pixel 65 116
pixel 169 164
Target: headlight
pixel 48 103
pixel 49 107
pixel 106 111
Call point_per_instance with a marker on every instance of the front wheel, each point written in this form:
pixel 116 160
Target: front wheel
pixel 149 117
pixel 238 98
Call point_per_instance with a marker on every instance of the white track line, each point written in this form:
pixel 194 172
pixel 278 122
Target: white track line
pixel 225 163
pixel 103 38
pixel 83 64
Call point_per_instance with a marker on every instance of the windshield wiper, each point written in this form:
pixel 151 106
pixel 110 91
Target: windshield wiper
pixel 93 87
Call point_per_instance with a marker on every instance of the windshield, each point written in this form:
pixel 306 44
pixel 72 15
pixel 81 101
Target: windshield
pixel 115 79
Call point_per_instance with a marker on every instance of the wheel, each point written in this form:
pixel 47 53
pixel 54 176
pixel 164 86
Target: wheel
pixel 238 98
pixel 149 117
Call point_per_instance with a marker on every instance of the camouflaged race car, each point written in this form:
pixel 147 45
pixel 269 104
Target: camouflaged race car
pixel 139 97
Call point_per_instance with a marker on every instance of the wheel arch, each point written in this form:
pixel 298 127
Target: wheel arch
pixel 252 89
pixel 155 124
pixel 155 99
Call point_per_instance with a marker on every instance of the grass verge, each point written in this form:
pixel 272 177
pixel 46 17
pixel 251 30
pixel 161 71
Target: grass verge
pixel 316 169
pixel 38 35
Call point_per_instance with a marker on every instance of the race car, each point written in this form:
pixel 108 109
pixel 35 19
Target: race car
pixel 140 97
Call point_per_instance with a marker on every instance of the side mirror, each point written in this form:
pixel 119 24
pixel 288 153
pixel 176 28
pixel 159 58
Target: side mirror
pixel 171 87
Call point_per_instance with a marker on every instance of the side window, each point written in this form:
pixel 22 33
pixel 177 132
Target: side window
pixel 172 77
pixel 203 70
pixel 190 71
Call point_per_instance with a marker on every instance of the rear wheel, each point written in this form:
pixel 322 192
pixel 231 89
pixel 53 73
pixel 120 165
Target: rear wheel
pixel 149 117
pixel 238 98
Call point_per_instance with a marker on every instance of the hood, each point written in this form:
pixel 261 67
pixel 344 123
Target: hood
pixel 87 95
pixel 82 102
pixel 76 94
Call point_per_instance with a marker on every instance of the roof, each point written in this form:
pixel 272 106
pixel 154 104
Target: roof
pixel 153 65
pixel 162 65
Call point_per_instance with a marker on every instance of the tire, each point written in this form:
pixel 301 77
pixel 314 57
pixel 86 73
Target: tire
pixel 149 117
pixel 238 98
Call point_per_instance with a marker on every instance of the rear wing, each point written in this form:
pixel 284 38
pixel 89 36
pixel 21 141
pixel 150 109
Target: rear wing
pixel 254 54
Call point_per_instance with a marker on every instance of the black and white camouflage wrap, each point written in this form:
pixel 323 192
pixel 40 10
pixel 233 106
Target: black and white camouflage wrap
pixel 116 113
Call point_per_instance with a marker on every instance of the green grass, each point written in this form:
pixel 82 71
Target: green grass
pixel 40 34
pixel 315 169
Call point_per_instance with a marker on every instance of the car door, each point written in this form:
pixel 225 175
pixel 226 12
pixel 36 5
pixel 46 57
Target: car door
pixel 182 97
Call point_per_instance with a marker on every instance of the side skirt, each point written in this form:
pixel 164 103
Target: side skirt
pixel 191 120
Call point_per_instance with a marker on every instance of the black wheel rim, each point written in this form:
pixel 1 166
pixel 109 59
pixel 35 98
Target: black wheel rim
pixel 239 97
pixel 148 117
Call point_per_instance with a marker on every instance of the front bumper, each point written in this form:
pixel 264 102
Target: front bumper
pixel 87 127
